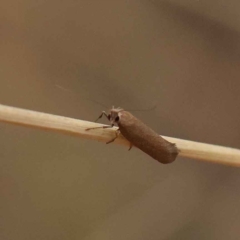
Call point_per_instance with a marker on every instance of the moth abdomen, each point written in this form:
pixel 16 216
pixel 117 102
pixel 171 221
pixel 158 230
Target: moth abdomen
pixel 144 138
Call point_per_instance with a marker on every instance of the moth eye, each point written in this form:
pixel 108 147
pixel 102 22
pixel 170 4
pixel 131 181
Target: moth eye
pixel 117 118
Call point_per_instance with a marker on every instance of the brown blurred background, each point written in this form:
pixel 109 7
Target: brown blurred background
pixel 182 56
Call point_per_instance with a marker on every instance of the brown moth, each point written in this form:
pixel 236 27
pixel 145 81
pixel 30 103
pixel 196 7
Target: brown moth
pixel 140 135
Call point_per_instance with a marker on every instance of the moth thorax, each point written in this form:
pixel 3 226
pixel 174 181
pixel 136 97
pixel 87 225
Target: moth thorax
pixel 114 117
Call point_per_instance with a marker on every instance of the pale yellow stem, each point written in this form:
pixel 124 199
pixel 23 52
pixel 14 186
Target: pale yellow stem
pixel 50 122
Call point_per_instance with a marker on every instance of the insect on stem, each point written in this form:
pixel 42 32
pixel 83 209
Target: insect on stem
pixel 140 135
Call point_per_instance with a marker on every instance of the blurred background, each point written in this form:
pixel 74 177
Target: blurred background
pixel 60 57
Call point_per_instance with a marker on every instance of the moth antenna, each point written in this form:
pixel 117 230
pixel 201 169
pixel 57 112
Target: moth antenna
pixel 71 91
pixel 143 110
pixel 62 88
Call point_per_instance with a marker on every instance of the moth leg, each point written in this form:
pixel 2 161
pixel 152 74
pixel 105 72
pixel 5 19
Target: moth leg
pixel 117 134
pixel 87 129
pixel 130 147
pixel 103 113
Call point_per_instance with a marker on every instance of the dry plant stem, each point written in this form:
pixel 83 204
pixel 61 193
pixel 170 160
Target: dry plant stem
pixel 50 122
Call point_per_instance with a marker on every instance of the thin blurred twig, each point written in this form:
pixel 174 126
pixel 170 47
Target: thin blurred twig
pixel 50 122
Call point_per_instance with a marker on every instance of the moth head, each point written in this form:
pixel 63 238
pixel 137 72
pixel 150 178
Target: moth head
pixel 115 115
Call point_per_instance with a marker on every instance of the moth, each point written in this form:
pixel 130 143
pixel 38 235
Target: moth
pixel 140 135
